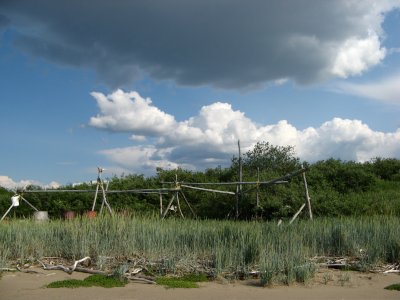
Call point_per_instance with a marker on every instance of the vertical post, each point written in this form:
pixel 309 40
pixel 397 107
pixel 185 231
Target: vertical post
pixel 105 199
pixel 99 170
pixel 307 196
pixel 239 186
pixel 161 208
pixel 103 202
pixel 258 189
pixel 95 196
pixel 179 205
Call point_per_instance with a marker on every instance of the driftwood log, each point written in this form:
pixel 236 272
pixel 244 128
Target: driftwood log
pixel 134 276
pixel 73 268
pixel 393 269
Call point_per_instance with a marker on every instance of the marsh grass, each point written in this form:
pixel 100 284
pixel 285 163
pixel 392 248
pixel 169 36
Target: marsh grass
pixel 327 277
pixel 175 246
pixel 344 278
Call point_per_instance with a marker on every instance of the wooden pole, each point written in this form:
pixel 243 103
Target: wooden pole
pixel 161 206
pixel 168 207
pixel 239 186
pixel 307 196
pixel 207 190
pixel 258 194
pixel 188 204
pixel 258 189
pixel 224 183
pixel 179 205
pixel 298 212
pixel 27 202
pixel 102 202
pixel 8 210
pixel 95 196
pixel 105 198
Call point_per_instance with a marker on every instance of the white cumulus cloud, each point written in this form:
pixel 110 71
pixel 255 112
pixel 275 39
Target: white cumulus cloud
pixel 147 158
pixel 8 183
pixel 210 139
pixel 130 112
pixel 357 55
pixel 348 140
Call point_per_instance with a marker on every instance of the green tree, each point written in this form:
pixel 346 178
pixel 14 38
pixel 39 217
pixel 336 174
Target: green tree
pixel 343 177
pixel 265 162
pixel 386 168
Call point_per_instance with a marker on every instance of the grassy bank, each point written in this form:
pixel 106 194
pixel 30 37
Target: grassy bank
pixel 216 247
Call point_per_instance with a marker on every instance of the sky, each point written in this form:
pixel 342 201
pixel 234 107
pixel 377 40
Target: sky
pixel 135 85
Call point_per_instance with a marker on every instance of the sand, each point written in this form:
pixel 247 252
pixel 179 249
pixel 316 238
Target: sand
pixel 327 285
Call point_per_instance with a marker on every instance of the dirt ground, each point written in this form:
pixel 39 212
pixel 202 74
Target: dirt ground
pixel 328 284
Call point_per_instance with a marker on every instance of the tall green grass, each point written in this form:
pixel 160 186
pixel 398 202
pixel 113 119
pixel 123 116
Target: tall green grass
pixel 218 247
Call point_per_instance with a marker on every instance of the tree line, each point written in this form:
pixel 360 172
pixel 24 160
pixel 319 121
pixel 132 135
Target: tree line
pixel 336 188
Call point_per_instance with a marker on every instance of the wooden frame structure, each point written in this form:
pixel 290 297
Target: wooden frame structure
pixel 196 186
pixel 178 187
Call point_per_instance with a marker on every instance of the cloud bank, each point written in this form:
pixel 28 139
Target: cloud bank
pixel 210 138
pixel 229 44
pixel 9 183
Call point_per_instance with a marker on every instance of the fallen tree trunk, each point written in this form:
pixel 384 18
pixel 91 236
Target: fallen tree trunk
pixel 71 269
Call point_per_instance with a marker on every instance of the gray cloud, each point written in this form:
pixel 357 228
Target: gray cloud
pixel 4 21
pixel 230 44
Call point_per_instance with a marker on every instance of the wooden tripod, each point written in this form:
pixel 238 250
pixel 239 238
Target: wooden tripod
pixel 100 185
pixel 15 203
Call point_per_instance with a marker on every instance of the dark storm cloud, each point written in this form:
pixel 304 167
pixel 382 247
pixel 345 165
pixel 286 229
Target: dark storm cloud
pixel 226 43
pixel 3 21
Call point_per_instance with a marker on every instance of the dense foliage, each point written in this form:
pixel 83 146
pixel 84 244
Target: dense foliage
pixel 336 188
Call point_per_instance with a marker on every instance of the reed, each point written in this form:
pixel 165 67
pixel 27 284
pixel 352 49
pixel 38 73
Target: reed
pixel 220 247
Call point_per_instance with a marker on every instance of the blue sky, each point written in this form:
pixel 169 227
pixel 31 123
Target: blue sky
pixel 131 87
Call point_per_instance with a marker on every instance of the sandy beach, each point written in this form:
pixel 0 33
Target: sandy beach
pixel 18 286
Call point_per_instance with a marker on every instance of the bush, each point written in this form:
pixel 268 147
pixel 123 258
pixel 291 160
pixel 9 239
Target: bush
pixel 344 177
pixel 386 168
